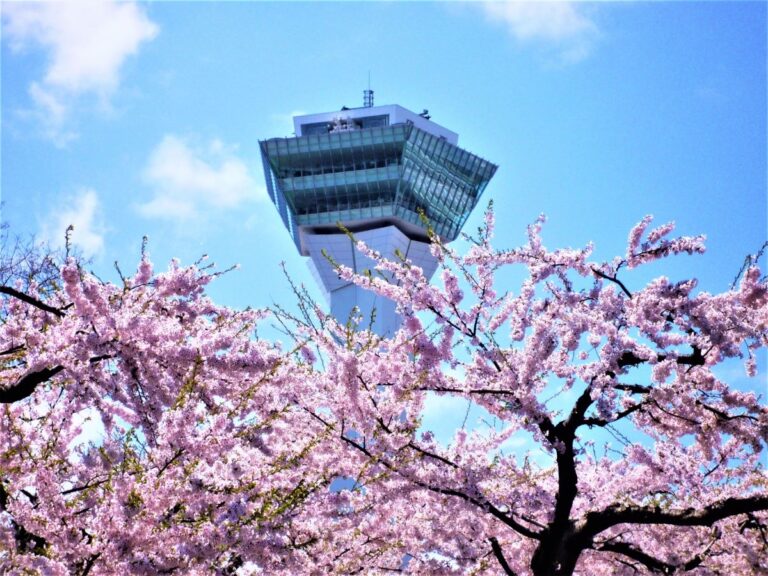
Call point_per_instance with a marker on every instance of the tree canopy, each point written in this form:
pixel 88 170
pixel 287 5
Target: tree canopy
pixel 221 453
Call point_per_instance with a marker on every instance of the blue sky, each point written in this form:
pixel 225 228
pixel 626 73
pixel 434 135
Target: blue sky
pixel 133 119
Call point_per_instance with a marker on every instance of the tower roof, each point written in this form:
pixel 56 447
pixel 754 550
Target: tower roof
pixel 368 117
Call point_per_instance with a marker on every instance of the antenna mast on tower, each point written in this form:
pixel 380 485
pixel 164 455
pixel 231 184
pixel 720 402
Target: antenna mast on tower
pixel 368 94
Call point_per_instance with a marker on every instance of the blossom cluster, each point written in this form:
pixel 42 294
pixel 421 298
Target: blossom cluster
pixel 147 430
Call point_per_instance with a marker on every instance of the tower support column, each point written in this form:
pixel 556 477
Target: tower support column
pixel 344 297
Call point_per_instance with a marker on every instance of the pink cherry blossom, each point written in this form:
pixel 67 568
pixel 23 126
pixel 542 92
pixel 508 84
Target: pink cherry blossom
pixel 147 430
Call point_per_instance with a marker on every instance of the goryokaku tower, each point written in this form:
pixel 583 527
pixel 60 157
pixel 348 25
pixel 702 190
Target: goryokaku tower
pixel 373 169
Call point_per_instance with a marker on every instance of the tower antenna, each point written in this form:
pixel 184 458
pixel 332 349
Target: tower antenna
pixel 368 94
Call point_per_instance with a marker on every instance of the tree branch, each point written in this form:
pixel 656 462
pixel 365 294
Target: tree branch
pixel 26 385
pixel 483 504
pixel 613 279
pixel 89 484
pixel 30 300
pixel 428 454
pixel 12 350
pixel 496 547
pixel 654 564
pixel 26 541
pixel 604 422
pixel 626 549
pixel 632 388
pixel 724 415
pixel 615 514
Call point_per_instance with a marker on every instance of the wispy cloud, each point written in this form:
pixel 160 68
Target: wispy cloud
pixel 189 180
pixel 561 26
pixel 52 115
pixel 83 212
pixel 86 43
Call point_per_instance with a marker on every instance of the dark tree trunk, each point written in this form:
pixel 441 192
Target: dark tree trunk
pixel 557 555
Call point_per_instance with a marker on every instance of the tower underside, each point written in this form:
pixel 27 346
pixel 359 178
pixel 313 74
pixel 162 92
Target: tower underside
pixel 377 313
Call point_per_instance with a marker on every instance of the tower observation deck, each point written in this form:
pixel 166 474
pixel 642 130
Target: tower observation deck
pixel 372 169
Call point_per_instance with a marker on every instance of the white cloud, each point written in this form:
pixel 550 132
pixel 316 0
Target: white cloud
pixel 561 25
pixel 86 43
pixel 52 115
pixel 83 211
pixel 189 180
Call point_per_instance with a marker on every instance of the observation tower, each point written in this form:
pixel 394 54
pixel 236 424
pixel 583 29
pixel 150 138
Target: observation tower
pixel 372 169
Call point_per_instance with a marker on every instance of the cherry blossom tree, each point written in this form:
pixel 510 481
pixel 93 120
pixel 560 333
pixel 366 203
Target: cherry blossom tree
pixel 143 431
pixel 22 260
pixel 147 430
pixel 578 351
